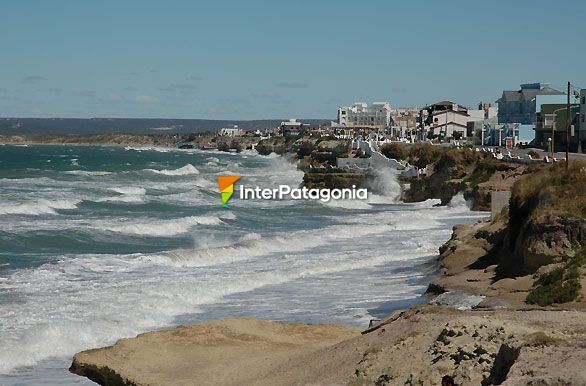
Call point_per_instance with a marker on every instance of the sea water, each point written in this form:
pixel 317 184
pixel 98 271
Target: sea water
pixel 101 243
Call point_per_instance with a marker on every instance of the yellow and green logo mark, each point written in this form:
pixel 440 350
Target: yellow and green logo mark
pixel 226 184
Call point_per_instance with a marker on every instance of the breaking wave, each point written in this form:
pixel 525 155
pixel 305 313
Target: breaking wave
pixel 39 207
pixel 182 171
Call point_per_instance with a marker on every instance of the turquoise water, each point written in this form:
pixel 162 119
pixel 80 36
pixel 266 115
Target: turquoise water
pixel 101 243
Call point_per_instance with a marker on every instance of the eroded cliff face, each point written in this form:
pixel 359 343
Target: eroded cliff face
pixel 475 178
pixel 535 238
pixel 533 251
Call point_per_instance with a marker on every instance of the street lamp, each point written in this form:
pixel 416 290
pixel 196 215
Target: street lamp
pixel 549 149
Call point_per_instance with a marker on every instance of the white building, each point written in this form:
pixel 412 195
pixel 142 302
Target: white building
pixel 445 118
pixel 361 115
pixel 230 132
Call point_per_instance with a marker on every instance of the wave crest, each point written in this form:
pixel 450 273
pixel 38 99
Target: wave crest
pixel 182 171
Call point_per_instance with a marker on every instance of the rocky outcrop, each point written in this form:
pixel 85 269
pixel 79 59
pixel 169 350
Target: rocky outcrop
pixel 415 347
pixel 278 145
pixel 476 178
pixel 334 180
pixel 233 351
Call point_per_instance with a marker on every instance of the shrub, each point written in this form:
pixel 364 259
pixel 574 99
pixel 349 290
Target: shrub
pixel 558 286
pixel 394 150
pixel 541 339
pixel 422 155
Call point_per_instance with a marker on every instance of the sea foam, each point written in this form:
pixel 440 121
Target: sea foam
pixel 182 171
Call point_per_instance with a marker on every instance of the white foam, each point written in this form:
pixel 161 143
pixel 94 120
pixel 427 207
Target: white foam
pixel 87 173
pixel 131 190
pixel 115 299
pixel 182 171
pixel 347 204
pixel 39 207
pixel 155 227
pixel 217 251
pixel 385 183
pixel 459 202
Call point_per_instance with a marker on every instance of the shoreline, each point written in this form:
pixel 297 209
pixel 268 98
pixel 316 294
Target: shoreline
pixel 497 341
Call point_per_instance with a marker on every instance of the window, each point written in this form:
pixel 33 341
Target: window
pixel 583 116
pixel 584 100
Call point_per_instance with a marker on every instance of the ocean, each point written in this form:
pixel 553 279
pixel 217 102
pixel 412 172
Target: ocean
pixel 101 243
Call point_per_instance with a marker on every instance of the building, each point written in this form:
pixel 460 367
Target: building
pixel 403 121
pixel 230 132
pixel 362 116
pixel 403 124
pixel 447 119
pixel 522 106
pixel 292 128
pixel 551 126
pixel 493 134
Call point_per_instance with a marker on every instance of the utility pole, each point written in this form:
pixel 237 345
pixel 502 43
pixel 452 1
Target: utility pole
pixel 568 122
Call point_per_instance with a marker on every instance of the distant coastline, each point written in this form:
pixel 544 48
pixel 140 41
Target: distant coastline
pixel 155 126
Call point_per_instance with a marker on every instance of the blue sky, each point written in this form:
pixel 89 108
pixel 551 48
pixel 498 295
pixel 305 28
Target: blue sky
pixel 261 59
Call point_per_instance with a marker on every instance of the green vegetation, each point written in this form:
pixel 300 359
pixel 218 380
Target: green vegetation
pixel 561 285
pixel 557 286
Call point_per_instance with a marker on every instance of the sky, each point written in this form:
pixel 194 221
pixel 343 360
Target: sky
pixel 266 59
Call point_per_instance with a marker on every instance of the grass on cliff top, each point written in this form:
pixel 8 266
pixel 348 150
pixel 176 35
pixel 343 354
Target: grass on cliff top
pixel 554 190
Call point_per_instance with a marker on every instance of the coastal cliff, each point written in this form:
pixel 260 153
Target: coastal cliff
pixel 452 171
pixel 533 251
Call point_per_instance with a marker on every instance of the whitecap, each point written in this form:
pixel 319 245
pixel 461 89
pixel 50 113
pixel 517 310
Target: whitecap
pixel 38 207
pixel 87 173
pixel 185 170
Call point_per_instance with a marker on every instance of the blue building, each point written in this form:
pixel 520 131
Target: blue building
pixel 521 106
